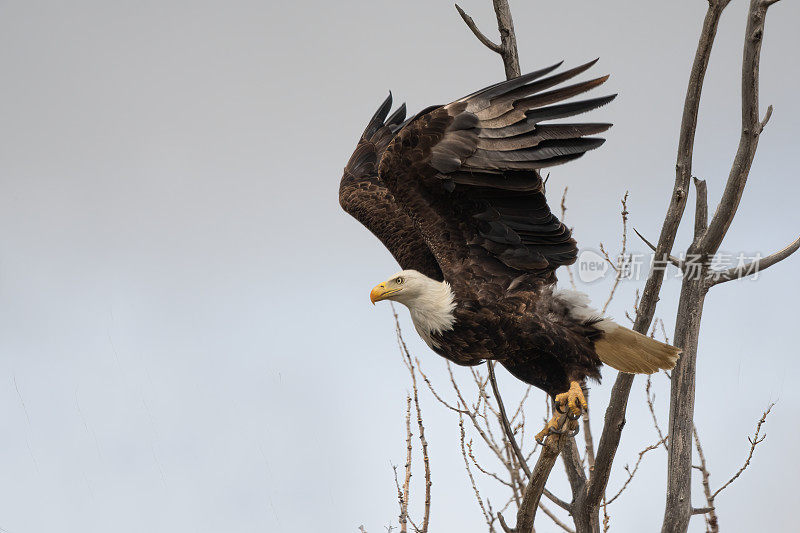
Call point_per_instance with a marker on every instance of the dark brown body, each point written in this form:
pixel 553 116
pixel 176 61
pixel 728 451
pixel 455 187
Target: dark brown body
pixel 530 334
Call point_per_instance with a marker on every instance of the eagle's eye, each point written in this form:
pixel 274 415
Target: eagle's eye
pixel 399 280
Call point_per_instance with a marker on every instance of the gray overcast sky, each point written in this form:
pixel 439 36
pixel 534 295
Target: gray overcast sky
pixel 185 338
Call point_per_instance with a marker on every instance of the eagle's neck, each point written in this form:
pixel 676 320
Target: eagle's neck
pixel 432 311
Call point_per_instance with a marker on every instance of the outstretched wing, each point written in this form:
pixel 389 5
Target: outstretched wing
pixel 468 174
pixel 364 196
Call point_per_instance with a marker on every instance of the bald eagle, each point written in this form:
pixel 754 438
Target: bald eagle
pixel 456 196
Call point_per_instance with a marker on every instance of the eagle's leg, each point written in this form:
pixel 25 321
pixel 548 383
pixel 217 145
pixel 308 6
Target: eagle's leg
pixel 572 402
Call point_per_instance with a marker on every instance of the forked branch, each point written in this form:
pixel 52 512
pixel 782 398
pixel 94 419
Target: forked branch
pixel 508 39
pixel 481 37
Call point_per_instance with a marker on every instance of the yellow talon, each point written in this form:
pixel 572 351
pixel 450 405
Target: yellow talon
pixel 569 406
pixel 573 399
pixel 552 426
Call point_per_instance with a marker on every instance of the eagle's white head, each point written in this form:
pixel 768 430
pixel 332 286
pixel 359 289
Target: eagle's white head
pixel 430 302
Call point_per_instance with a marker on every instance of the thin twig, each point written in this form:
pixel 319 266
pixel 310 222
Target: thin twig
pixel 425 461
pixel 423 442
pixel 755 441
pixel 436 394
pixel 489 519
pixel 483 470
pixel 623 260
pixel 672 259
pixel 555 519
pixel 712 523
pixel 403 493
pixel 632 473
pixel 473 416
pixel 651 400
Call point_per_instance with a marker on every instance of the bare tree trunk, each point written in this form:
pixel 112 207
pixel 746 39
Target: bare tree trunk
pixel 681 407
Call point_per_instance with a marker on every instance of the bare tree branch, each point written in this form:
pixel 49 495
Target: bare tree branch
pixel 752 126
pixel 572 464
pixel 474 28
pixel 651 400
pixel 556 500
pixel 755 441
pixel 672 259
pixel 632 473
pixel 533 492
pixel 425 461
pixel 483 470
pixel 423 442
pixel 712 524
pixel 701 208
pixel 508 39
pixel 436 394
pixel 622 264
pixel 712 521
pixel 512 440
pixel 403 494
pixel 507 49
pixel 504 421
pixel 488 517
pixel 587 430
pixel 555 519
pixel 756 266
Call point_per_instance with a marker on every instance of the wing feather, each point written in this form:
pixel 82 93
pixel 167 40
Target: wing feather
pixel 363 195
pixel 468 174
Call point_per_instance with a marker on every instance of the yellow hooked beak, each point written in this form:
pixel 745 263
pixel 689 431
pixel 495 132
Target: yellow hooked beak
pixel 380 292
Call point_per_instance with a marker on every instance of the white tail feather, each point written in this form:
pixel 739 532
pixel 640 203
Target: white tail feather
pixel 632 352
pixel 620 347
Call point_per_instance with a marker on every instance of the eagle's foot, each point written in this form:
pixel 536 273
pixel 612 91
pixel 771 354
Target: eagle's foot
pixel 573 402
pixel 558 425
pixel 552 426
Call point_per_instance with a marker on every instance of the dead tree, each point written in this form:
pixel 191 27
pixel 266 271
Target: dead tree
pixel 589 475
pixel 708 236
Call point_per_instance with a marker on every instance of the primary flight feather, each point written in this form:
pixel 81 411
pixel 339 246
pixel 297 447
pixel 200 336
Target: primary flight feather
pixel 456 196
